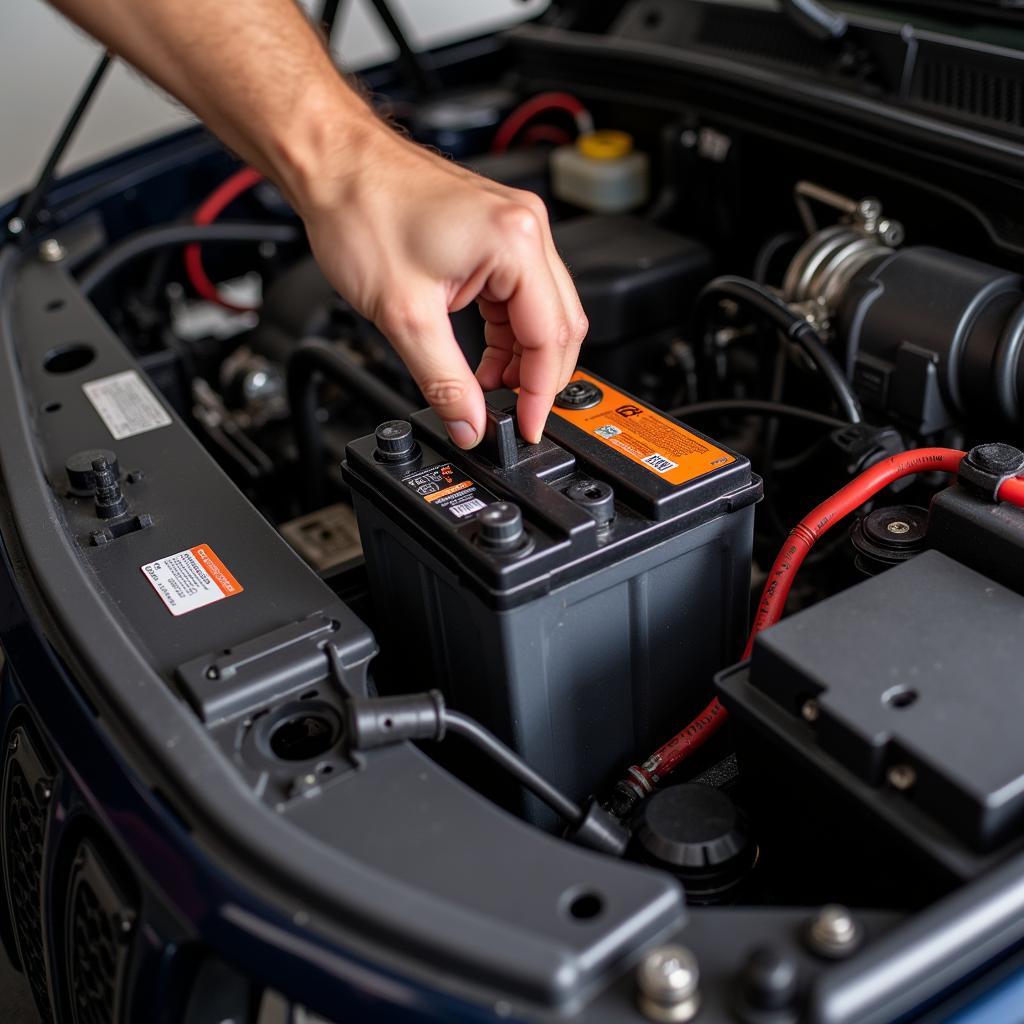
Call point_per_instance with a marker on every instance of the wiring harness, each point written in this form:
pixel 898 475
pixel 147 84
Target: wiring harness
pixel 641 779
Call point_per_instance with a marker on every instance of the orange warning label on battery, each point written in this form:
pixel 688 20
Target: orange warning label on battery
pixel 454 489
pixel 643 436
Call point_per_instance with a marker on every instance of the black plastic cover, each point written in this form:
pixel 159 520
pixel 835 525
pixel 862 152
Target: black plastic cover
pixel 632 276
pixel 917 668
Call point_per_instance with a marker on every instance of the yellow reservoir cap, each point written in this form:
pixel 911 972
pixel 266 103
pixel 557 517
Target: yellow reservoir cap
pixel 605 145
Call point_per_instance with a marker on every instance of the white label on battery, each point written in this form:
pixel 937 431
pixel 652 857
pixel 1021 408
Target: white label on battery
pixel 659 463
pixel 467 508
pixel 126 404
pixel 191 579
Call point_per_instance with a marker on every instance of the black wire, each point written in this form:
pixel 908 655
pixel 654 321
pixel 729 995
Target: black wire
pixel 795 327
pixel 28 208
pixel 151 239
pixel 312 360
pixel 423 78
pixel 755 407
pixel 461 725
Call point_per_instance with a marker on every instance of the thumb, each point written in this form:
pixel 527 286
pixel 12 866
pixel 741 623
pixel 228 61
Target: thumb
pixel 421 333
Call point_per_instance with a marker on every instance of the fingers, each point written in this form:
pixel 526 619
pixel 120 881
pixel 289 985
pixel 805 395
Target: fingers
pixel 535 323
pixel 421 333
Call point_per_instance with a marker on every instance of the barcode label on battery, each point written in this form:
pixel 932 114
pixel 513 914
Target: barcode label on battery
pixel 467 508
pixel 659 463
pixel 449 491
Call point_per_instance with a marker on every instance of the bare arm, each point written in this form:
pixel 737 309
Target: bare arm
pixel 403 234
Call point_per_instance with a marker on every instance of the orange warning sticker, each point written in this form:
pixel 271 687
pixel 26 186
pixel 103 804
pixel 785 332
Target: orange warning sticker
pixel 454 489
pixel 191 579
pixel 643 436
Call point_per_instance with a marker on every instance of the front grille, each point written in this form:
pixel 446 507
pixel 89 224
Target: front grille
pixel 26 792
pixel 97 932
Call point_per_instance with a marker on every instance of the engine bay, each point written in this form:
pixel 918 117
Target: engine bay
pixel 552 686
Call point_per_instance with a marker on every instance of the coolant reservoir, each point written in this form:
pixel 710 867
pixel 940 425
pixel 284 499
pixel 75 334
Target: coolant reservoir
pixel 601 172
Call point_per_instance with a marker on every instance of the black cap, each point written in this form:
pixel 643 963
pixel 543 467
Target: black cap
pixel 769 979
pixel 501 526
pixel 596 497
pixel 81 475
pixel 888 536
pixel 987 466
pixel 395 442
pixel 699 834
pixel 579 394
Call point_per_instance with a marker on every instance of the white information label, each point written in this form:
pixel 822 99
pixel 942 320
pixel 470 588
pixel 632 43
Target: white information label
pixel 126 404
pixel 191 579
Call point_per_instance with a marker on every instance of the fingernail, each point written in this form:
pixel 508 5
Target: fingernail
pixel 462 433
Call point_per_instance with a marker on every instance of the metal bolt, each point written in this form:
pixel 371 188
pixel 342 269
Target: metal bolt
pixel 834 932
pixel 809 710
pixel 869 209
pixel 15 225
pixel 890 232
pixel 51 251
pixel 898 527
pixel 668 983
pixel 902 776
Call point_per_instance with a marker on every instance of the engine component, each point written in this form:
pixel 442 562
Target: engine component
pixel 968 523
pixel 633 277
pixel 572 638
pixel 926 335
pixel 698 834
pixel 890 722
pixel 601 172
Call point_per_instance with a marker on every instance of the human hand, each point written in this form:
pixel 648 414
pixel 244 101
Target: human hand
pixel 408 237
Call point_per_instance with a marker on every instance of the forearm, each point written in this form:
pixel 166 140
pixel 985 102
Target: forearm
pixel 257 74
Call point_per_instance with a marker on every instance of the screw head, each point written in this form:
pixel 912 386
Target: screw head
pixel 869 209
pixel 809 710
pixel 898 527
pixel 15 225
pixel 51 251
pixel 834 931
pixel 668 981
pixel 901 776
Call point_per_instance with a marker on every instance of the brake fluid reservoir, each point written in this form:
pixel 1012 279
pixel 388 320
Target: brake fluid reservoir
pixel 601 172
pixel 575 595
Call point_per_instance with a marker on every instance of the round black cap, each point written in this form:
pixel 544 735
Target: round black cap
pixel 698 833
pixel 394 440
pixel 501 525
pixel 596 497
pixel 888 536
pixel 579 394
pixel 81 475
pixel 769 979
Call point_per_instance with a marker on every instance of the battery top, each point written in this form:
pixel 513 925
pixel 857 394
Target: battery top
pixel 610 478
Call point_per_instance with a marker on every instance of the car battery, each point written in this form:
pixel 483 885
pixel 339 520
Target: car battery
pixel 575 595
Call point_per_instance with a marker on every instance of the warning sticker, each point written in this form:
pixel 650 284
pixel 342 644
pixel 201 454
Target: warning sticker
pixel 644 436
pixel 446 488
pixel 126 404
pixel 191 579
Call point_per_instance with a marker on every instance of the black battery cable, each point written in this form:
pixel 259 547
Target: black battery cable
pixel 372 722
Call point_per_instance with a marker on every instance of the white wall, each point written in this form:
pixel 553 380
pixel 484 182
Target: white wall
pixel 44 61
